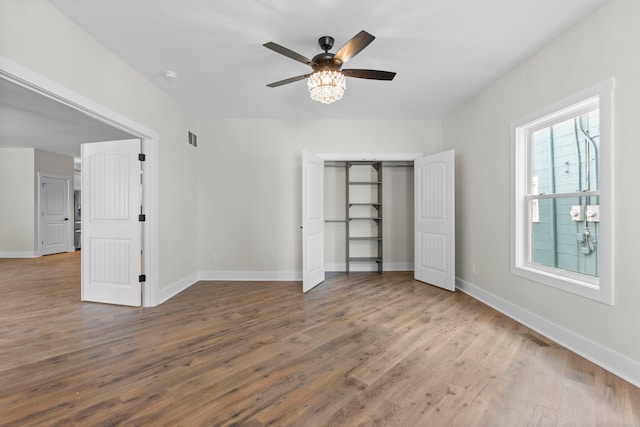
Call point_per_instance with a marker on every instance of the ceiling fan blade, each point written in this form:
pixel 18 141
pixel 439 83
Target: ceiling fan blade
pixel 370 74
pixel 354 46
pixel 289 53
pixel 289 80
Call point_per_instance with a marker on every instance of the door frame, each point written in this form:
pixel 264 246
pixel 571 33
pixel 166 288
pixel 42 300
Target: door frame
pixel 69 231
pixel 369 157
pixel 37 83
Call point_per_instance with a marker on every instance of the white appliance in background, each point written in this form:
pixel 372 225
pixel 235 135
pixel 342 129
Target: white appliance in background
pixel 77 224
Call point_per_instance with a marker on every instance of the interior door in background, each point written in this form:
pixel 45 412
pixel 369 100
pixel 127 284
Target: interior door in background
pixel 54 214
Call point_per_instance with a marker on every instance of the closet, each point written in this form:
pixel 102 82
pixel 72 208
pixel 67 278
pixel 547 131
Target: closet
pixel 355 219
pixel 368 215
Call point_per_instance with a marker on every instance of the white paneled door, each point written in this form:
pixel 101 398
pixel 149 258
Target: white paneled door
pixel 111 231
pixel 434 192
pixel 55 221
pixel 312 221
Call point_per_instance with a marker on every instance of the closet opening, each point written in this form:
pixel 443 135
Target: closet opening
pixel 368 213
pixel 353 220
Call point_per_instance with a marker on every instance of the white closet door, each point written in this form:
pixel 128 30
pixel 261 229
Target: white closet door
pixel 434 188
pixel 111 232
pixel 312 221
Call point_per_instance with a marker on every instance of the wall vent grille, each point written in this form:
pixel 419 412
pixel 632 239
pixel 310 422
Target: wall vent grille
pixel 193 139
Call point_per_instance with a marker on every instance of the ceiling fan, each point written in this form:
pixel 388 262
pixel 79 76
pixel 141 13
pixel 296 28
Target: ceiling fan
pixel 326 82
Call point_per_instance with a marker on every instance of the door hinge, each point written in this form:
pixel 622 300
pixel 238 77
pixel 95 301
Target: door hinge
pixel 142 157
pixel 142 218
pixel 142 278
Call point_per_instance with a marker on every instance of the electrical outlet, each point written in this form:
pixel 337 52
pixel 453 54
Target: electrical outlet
pixel 577 213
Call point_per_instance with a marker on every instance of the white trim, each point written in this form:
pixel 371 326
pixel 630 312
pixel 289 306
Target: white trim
pixel 19 254
pixel 175 288
pixel 151 240
pixel 362 267
pixel 369 157
pixel 596 288
pixel 251 276
pixel 565 105
pixel 612 361
pixel 166 293
pixel 26 78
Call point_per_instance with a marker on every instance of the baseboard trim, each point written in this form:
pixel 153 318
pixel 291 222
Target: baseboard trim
pixel 178 286
pixel 251 276
pixel 614 362
pixel 369 267
pixel 257 276
pixel 175 288
pixel 19 254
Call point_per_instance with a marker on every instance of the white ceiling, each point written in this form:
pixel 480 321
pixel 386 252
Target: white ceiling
pixel 29 119
pixel 444 51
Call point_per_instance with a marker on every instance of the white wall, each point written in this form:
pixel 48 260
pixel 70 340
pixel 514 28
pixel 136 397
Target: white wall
pixel 37 36
pixel 17 203
pixel 249 196
pixel 19 169
pixel 604 44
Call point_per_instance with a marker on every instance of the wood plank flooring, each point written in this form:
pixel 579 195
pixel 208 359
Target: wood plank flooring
pixel 364 349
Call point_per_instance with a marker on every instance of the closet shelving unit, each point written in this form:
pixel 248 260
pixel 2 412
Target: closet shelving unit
pixel 360 210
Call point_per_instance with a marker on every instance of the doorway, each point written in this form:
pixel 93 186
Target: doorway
pixel 64 102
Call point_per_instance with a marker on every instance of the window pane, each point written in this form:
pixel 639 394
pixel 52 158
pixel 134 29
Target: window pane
pixel 562 240
pixel 565 156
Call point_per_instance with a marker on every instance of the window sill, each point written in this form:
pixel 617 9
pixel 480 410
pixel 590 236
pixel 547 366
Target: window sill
pixel 585 286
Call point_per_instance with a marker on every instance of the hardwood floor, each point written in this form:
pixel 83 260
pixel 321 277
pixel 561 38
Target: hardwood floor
pixel 364 349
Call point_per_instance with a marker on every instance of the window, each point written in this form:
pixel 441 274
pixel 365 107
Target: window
pixel 561 216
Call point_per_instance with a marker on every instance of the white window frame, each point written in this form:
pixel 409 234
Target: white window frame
pixel 597 288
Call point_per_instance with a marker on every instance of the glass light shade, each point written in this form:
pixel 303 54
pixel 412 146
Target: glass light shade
pixel 326 86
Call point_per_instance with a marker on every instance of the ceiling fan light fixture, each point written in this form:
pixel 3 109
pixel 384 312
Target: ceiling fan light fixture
pixel 326 86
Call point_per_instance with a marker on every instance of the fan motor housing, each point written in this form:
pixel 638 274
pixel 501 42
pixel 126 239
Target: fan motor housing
pixel 326 60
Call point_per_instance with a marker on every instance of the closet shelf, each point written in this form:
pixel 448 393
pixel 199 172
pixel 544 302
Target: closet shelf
pixel 364 194
pixel 365 259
